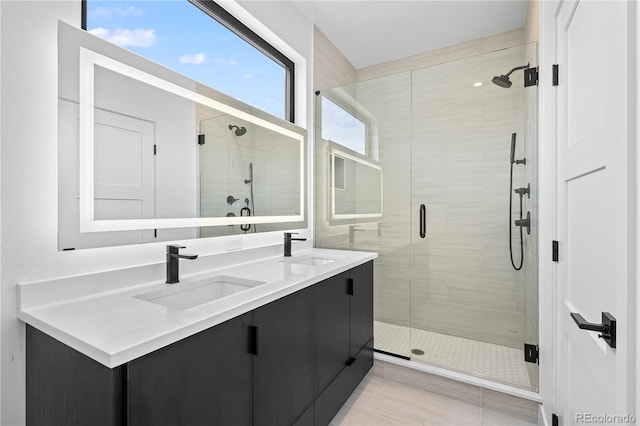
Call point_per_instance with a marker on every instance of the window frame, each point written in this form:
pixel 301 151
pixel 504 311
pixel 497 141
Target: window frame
pixel 233 24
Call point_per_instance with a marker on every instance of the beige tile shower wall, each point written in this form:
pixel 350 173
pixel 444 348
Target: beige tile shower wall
pixel 330 68
pixel 462 280
pixel 224 166
pixel 389 100
pixel 532 22
pixel 463 283
pixel 446 54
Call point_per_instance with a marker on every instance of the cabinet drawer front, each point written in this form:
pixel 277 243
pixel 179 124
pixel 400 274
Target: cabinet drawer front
pixel 329 402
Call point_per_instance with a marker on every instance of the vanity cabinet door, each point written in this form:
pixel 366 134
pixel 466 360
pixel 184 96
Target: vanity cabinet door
pixel 283 363
pixel 361 307
pixel 67 388
pixel 331 325
pixel 204 379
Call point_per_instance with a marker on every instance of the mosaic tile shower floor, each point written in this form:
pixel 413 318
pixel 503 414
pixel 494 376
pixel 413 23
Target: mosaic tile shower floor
pixel 486 360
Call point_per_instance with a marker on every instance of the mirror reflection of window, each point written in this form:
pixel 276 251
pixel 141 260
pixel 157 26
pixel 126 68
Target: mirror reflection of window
pixel 340 126
pixel 198 46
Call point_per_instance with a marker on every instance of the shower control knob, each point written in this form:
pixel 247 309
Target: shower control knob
pixel 525 223
pixel 524 191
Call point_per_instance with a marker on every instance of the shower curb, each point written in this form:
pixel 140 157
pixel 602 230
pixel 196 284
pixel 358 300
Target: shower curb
pixel 521 403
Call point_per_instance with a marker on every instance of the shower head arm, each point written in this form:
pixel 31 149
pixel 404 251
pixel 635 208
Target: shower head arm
pixel 523 67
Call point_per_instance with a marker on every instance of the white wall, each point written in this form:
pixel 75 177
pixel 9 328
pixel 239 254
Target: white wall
pixel 29 175
pixel 1 377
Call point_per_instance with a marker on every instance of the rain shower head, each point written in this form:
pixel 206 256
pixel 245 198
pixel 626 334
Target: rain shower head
pixel 503 80
pixel 239 130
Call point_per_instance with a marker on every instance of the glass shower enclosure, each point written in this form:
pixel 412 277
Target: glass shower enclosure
pixel 429 188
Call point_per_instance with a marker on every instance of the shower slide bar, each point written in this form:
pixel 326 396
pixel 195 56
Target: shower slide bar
pixel 522 222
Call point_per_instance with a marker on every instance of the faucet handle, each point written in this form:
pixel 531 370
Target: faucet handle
pixel 173 248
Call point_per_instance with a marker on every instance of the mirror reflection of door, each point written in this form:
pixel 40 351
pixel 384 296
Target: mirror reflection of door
pixel 124 167
pixel 124 176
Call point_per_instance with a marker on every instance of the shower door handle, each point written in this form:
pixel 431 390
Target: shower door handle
pixel 423 221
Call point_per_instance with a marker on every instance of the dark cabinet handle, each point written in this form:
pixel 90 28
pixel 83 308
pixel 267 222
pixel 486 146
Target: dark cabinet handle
pixel 350 362
pixel 423 221
pixel 607 328
pixel 350 287
pixel 253 340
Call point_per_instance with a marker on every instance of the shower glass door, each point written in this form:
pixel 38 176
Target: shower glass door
pixel 346 217
pixel 439 137
pixel 468 305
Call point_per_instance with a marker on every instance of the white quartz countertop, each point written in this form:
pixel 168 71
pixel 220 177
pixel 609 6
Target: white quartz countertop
pixel 114 327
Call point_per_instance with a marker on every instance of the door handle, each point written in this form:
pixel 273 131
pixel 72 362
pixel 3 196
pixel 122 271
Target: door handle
pixel 607 328
pixel 423 221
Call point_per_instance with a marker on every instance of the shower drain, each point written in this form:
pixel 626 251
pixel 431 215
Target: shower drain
pixel 417 351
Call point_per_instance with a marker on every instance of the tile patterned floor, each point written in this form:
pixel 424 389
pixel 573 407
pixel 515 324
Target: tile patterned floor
pixel 495 362
pixel 381 402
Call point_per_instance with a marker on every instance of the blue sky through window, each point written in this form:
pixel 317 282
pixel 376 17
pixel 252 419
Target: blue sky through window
pixel 341 127
pixel 180 36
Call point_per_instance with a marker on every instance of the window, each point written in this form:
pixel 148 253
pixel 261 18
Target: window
pixel 340 126
pixel 201 40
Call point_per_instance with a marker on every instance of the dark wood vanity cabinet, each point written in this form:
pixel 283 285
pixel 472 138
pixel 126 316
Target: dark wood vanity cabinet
pixel 283 363
pixel 294 361
pixel 205 376
pixel 343 308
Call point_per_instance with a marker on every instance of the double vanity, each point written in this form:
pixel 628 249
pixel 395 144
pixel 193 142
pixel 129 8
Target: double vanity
pixel 243 337
pixel 273 341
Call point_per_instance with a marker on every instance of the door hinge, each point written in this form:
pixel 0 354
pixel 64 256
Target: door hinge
pixel 554 251
pixel 350 289
pixel 155 149
pixel 531 77
pixel 555 421
pixel 555 75
pixel 200 139
pixel 531 353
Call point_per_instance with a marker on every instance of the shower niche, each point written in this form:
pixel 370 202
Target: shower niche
pixel 446 293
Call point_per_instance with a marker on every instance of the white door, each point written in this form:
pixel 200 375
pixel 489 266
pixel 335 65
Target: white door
pixel 594 140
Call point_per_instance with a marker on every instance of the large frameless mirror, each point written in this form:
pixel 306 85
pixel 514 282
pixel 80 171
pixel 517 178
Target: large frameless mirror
pixel 147 152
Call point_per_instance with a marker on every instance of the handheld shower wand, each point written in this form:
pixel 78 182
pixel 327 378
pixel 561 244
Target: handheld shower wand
pixel 513 152
pixel 521 192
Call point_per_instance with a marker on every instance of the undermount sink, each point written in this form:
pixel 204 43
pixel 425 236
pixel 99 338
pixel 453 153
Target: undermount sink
pixel 311 260
pixel 190 295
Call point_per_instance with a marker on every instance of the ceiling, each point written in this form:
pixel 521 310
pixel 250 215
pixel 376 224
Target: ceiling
pixel 372 32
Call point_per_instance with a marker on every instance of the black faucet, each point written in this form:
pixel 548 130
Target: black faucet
pixel 287 242
pixel 173 257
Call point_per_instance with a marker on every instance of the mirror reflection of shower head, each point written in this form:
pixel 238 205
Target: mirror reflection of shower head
pixel 239 130
pixel 503 80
